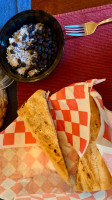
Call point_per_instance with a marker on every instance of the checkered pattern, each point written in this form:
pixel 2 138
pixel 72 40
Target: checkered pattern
pixel 71 113
pixel 16 135
pixel 27 170
pixel 101 195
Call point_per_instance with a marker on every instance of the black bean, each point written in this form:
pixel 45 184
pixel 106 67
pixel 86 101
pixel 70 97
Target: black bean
pixel 52 49
pixel 31 28
pixel 24 37
pixel 48 29
pixel 18 66
pixel 14 44
pixel 46 49
pixel 39 64
pixel 50 38
pixel 23 64
pixel 54 36
pixel 55 49
pixel 36 47
pixel 50 33
pixel 32 47
pixel 13 70
pixel 43 49
pixel 32 52
pixel 12 52
pixel 40 41
pixel 39 48
pixel 49 51
pixel 34 60
pixel 19 61
pixel 38 37
pixel 49 57
pixel 39 54
pixel 38 57
pixel 35 38
pixel 53 45
pixel 33 41
pixel 52 53
pixel 30 35
pixel 44 56
pixel 50 42
pixel 44 62
pixel 45 44
pixel 37 60
pixel 40 32
pixel 47 39
pixel 32 66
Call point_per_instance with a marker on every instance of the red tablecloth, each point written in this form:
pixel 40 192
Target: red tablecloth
pixel 84 57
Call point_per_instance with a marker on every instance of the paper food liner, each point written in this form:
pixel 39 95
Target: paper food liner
pixel 70 109
pixel 27 170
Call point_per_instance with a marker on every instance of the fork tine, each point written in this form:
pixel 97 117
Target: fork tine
pixel 74 26
pixel 75 34
pixel 74 29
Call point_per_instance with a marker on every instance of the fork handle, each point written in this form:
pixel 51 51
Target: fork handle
pixel 105 21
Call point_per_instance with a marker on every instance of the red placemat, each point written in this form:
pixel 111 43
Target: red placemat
pixel 84 58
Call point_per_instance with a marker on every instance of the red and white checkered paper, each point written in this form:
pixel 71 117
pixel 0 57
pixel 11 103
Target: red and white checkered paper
pixel 101 195
pixel 70 109
pixel 27 170
pixel 16 135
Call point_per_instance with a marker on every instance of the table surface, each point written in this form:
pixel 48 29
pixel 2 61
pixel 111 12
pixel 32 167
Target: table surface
pixel 52 7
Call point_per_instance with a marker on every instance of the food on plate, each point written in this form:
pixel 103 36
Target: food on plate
pixel 32 49
pixel 3 105
pixel 37 118
pixel 92 173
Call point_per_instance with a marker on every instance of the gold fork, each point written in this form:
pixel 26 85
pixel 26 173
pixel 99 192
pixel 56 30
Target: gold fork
pixel 84 29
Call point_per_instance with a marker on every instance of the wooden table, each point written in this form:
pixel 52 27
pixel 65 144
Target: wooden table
pixel 63 6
